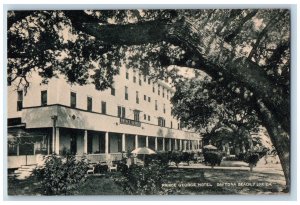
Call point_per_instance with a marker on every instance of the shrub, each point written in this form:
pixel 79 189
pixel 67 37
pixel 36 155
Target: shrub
pixel 252 158
pixel 139 180
pixel 212 158
pixel 61 175
pixel 187 157
pixel 176 157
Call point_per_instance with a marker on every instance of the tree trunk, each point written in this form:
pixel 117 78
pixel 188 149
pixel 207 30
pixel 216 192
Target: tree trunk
pixel 251 167
pixel 279 138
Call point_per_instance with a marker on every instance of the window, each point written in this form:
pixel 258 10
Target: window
pixel 149 99
pixel 127 75
pixel 149 81
pixel 161 122
pixel 158 89
pixel 163 92
pixel 156 107
pixel 140 80
pixel 136 114
pixel 149 118
pixel 44 97
pixel 171 124
pixel 20 100
pixel 103 107
pixel 134 79
pixel 137 97
pixel 73 100
pixel 145 117
pixel 113 91
pixel 164 108
pixel 89 103
pixel 153 89
pixel 126 93
pixel 145 78
pixel 121 112
pixel 145 97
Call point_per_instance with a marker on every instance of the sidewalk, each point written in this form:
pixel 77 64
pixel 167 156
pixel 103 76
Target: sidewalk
pixel 235 165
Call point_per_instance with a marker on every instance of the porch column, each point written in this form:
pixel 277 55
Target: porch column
pixel 106 142
pixel 136 141
pixel 163 145
pixel 147 141
pixel 176 145
pixel 170 144
pixel 180 144
pixel 18 150
pixel 85 143
pixel 48 145
pixel 57 140
pixel 123 142
pixel 184 145
pixel 53 140
pixel 155 143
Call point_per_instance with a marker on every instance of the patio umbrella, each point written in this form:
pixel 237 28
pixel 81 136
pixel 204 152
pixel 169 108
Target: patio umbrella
pixel 143 151
pixel 210 147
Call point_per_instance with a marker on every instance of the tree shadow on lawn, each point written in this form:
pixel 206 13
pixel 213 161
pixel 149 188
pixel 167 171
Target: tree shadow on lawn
pixel 197 181
pixel 176 182
pixel 94 185
pixel 100 185
pixel 246 182
pixel 27 187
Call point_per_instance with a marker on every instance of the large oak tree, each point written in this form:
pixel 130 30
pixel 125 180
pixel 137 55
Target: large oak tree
pixel 246 49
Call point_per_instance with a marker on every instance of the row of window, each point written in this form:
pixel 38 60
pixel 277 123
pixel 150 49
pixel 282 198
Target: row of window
pixel 73 104
pixel 149 82
pixel 20 99
pixel 89 101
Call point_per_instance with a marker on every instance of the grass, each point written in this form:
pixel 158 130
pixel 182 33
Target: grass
pixel 177 182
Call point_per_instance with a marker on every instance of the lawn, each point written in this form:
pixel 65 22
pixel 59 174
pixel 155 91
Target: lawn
pixel 177 182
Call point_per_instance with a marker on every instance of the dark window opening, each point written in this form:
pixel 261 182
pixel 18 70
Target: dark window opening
pixel 103 107
pixel 44 97
pixel 161 122
pixel 89 103
pixel 126 93
pixel 137 97
pixel 136 114
pixel 113 91
pixel 20 100
pixel 121 112
pixel 73 100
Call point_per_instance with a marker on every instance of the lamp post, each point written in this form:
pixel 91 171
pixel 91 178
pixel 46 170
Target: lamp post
pixel 54 119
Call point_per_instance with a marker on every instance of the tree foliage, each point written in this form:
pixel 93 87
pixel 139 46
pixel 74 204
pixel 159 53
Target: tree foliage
pixel 247 51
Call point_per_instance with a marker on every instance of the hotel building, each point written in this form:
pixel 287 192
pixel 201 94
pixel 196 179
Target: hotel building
pixel 58 117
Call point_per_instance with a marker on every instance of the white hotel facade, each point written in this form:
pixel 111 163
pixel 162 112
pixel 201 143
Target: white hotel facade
pixel 58 117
